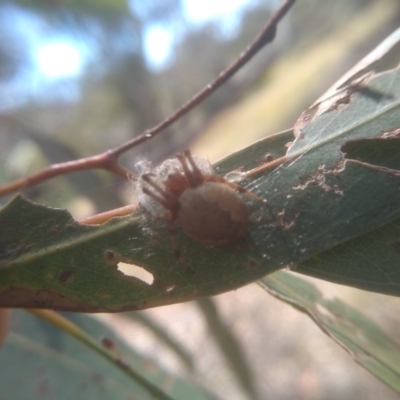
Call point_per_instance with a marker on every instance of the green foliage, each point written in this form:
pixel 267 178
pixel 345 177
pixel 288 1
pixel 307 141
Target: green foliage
pixel 41 361
pixel 362 338
pixel 318 200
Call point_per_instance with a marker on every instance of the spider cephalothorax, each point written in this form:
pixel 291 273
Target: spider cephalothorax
pixel 207 207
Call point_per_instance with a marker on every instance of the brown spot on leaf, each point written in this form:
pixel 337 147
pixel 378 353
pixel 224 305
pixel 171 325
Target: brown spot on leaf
pixel 42 387
pixel 55 230
pixel 111 257
pixel 109 343
pixel 65 275
pixel 26 298
pixel 268 157
pixel 304 120
pixel 251 264
pixel 131 307
pixel 391 133
pixel 396 247
pixel 319 178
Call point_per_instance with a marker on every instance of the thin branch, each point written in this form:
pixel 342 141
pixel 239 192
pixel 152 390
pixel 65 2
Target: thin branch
pixel 109 159
pixel 104 160
pixel 266 35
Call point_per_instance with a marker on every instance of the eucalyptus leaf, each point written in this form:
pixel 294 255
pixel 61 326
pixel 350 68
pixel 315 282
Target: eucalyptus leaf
pixel 356 333
pixel 369 262
pixel 318 199
pixel 164 338
pixel 229 346
pixel 39 361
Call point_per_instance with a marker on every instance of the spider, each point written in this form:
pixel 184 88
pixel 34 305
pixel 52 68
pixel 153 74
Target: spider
pixel 207 207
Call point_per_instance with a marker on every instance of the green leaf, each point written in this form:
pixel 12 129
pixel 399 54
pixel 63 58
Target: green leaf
pixel 342 184
pixel 36 354
pixel 319 199
pixel 165 339
pixel 369 262
pixel 361 337
pixel 50 261
pixel 229 347
pixel 326 198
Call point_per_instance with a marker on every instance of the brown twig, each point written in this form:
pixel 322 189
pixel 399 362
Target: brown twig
pixel 265 36
pixel 109 159
pixel 104 160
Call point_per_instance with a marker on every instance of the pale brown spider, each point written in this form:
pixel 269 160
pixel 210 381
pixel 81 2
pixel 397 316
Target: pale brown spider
pixel 207 207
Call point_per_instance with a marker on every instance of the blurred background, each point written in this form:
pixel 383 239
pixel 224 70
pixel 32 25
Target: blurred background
pixel 80 77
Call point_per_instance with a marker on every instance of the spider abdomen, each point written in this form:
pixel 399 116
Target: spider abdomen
pixel 212 213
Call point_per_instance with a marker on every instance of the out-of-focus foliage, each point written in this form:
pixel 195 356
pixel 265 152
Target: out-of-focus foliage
pixel 41 361
pixel 362 338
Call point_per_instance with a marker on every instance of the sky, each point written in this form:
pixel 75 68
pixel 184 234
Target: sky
pixel 56 61
pixel 62 58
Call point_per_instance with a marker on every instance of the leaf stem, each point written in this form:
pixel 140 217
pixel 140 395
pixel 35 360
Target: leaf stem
pixel 105 216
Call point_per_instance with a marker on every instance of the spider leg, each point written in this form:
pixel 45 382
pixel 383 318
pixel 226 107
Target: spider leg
pixel 241 189
pixel 166 199
pixel 194 176
pixel 156 197
pixel 194 166
pixel 148 179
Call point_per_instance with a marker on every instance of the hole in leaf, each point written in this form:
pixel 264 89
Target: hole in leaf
pixel 170 288
pixel 379 152
pixel 136 272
